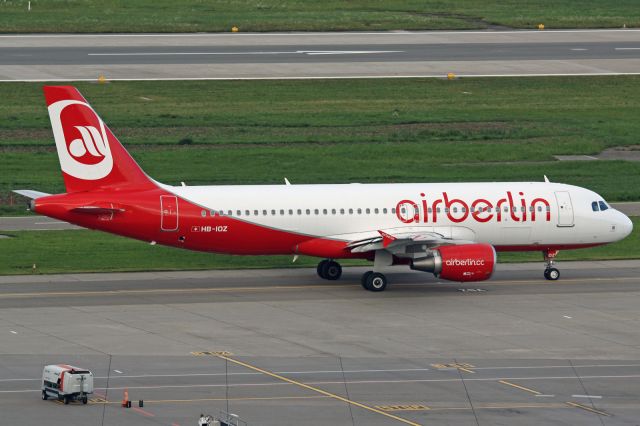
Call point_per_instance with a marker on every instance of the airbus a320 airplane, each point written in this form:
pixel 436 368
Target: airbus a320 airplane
pixel 452 230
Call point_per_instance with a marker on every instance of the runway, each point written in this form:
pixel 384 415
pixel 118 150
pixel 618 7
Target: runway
pixel 317 55
pixel 284 347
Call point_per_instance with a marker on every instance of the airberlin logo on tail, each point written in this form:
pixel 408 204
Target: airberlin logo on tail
pixel 81 140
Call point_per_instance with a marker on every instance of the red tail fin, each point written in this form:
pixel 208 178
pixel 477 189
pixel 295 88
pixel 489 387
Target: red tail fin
pixel 90 155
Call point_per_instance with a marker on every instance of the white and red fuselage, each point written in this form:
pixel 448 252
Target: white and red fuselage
pixel 388 223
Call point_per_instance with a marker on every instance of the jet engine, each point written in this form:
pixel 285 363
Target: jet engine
pixel 465 262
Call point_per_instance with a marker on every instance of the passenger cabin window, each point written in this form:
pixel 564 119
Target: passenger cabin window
pixel 603 205
pixel 594 206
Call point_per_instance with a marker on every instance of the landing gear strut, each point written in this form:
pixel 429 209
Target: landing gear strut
pixel 373 281
pixel 329 270
pixel 550 273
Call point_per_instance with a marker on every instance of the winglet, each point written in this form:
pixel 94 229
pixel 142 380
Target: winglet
pixel 546 179
pixel 386 239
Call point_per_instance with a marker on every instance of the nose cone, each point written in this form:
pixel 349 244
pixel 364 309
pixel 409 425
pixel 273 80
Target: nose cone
pixel 625 226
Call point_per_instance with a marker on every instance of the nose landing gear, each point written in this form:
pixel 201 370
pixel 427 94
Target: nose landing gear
pixel 550 273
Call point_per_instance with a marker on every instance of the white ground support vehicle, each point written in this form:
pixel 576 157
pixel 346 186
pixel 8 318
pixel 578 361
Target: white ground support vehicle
pixel 66 383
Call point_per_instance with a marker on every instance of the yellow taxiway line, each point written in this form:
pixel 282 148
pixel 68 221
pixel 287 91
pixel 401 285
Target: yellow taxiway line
pixel 318 390
pixel 504 382
pixel 277 288
pixel 584 407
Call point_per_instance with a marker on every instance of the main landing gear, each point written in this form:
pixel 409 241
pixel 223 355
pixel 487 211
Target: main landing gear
pixel 550 273
pixel 329 270
pixel 373 281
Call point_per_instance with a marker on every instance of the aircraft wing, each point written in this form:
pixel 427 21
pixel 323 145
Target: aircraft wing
pixel 394 241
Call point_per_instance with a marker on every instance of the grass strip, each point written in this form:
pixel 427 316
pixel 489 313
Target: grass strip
pixel 332 131
pixel 93 16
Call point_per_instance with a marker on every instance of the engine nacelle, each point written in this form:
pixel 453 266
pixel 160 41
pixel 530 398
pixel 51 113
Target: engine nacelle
pixel 466 262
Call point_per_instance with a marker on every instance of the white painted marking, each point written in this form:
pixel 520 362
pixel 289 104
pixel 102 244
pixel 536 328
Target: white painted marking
pixel 378 371
pixel 579 49
pixel 566 316
pixel 587 396
pixel 13 332
pixel 351 382
pixel 544 396
pixel 186 53
pixel 346 52
pixel 296 52
pixel 118 371
pixel 627 48
pixel 320 77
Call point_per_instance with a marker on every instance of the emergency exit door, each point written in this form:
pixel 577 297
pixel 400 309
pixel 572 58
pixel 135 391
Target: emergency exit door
pixel 565 208
pixel 168 213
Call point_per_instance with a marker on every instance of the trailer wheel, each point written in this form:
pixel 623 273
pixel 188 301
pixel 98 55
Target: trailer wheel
pixel 85 399
pixel 66 400
pixel 44 395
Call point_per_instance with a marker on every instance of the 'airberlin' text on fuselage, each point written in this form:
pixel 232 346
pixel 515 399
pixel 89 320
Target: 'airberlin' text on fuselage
pixel 480 209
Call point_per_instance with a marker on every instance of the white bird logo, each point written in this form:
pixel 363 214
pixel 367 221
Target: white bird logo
pixel 91 141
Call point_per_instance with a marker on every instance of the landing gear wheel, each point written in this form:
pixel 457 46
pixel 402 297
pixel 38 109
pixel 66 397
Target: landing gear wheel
pixel 44 395
pixel 365 277
pixel 552 274
pixel 332 270
pixel 66 400
pixel 85 400
pixel 376 282
pixel 320 268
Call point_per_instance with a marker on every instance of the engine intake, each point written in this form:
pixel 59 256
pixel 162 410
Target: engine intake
pixel 466 262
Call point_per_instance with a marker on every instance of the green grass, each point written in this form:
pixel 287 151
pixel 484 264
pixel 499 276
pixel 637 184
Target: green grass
pixel 307 15
pixel 404 130
pixel 66 251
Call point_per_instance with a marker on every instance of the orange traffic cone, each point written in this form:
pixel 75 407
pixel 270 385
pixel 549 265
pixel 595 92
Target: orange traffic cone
pixel 125 398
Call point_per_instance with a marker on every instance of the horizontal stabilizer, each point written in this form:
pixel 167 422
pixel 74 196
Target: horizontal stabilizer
pixel 29 193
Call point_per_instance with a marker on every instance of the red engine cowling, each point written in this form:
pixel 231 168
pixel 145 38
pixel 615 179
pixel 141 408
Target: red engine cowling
pixel 467 262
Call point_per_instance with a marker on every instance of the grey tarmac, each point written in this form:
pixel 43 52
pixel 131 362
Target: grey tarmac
pixel 284 347
pixel 318 55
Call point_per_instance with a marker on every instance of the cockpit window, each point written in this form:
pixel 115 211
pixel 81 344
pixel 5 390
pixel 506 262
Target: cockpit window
pixel 594 206
pixel 603 205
